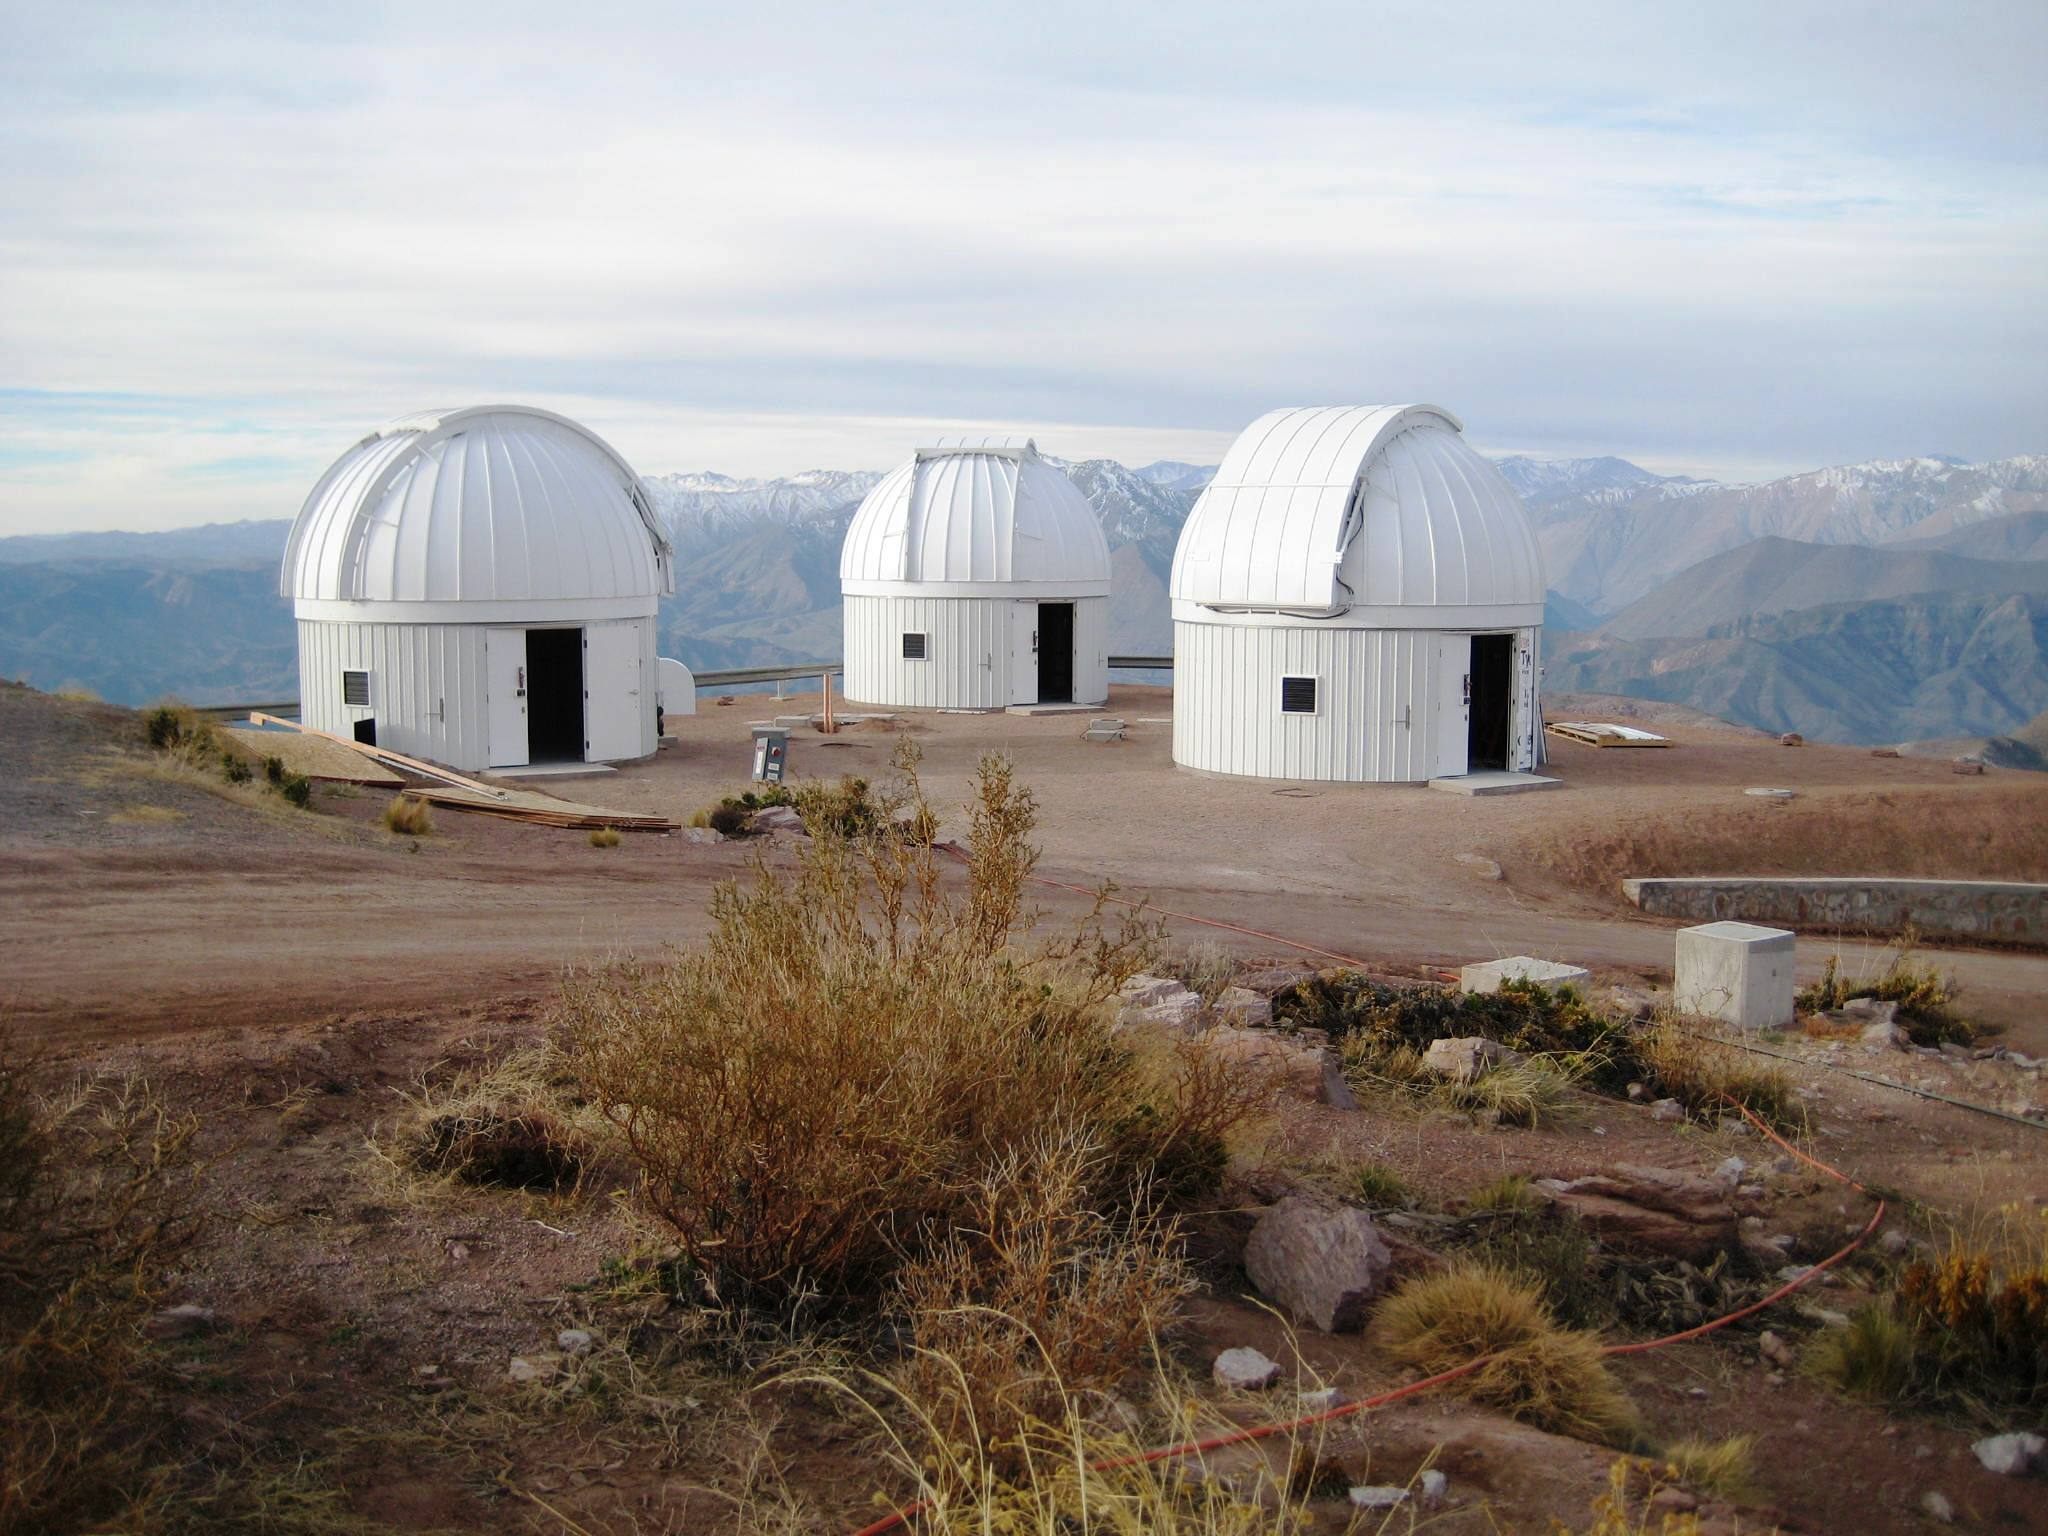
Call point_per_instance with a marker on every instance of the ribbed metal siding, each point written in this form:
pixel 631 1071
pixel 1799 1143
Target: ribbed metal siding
pixel 426 686
pixel 967 652
pixel 1376 693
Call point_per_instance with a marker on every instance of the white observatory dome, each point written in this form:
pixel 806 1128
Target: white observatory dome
pixel 1360 515
pixel 495 504
pixel 977 515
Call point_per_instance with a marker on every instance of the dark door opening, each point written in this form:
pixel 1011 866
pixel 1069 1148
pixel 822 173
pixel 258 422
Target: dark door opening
pixel 1493 670
pixel 554 695
pixel 1055 653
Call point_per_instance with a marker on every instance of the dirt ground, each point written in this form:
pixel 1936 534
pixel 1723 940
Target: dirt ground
pixel 290 977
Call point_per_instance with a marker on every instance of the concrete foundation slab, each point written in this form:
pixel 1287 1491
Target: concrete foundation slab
pixel 1738 973
pixel 1494 782
pixel 1488 976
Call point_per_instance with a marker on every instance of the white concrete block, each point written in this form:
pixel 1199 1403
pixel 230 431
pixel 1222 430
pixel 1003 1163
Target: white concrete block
pixel 1738 973
pixel 1548 973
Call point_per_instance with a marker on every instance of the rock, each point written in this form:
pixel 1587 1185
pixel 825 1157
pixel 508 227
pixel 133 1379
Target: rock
pixel 1244 1471
pixel 1293 1061
pixel 1649 1210
pixel 1673 1501
pixel 1968 763
pixel 1158 1000
pixel 1322 1400
pixel 1632 1003
pixel 526 1369
pixel 1377 1496
pixel 574 1341
pixel 1885 1036
pixel 1245 1008
pixel 1319 1261
pixel 1434 1488
pixel 1275 979
pixel 703 835
pixel 1894 1242
pixel 1936 1507
pixel 1667 1110
pixel 1791 739
pixel 1245 1370
pixel 1775 1350
pixel 1480 865
pixel 777 818
pixel 2012 1455
pixel 1465 1057
pixel 1730 1171
pixel 1874 1010
pixel 181 1322
pixel 1336 1091
pixel 1884 751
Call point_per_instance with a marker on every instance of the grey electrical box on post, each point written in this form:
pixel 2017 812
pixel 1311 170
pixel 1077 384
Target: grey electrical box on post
pixel 771 754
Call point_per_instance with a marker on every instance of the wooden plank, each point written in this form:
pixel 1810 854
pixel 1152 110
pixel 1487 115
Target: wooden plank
pixel 383 755
pixel 564 814
pixel 1594 736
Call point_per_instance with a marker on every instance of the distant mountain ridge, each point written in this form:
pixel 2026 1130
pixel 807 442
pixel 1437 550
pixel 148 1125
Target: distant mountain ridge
pixel 1731 614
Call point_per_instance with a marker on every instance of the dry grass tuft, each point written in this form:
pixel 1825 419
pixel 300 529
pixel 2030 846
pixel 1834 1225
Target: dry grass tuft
pixel 604 837
pixel 512 1125
pixel 94 1208
pixel 1549 1376
pixel 1204 967
pixel 409 817
pixel 1719 1469
pixel 1926 998
pixel 1705 1075
pixel 821 1093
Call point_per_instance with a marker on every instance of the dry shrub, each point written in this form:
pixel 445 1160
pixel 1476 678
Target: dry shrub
pixel 1720 1469
pixel 1979 1316
pixel 1926 998
pixel 1537 1091
pixel 409 817
pixel 1549 1376
pixel 1034 1294
pixel 1708 1076
pixel 1621 1511
pixel 94 1207
pixel 512 1125
pixel 604 837
pixel 860 1045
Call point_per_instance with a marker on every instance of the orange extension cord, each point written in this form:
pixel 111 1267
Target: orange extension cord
pixel 902 1517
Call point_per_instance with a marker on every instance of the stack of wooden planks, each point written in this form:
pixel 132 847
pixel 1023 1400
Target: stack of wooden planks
pixel 458 793
pixel 1602 734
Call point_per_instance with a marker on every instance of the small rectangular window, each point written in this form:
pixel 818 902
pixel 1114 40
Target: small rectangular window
pixel 1297 695
pixel 913 647
pixel 355 689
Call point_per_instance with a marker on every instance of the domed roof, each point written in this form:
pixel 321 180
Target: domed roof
pixel 983 515
pixel 1345 512
pixel 498 503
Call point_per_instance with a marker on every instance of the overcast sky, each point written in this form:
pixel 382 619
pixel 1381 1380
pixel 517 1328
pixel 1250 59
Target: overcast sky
pixel 1724 239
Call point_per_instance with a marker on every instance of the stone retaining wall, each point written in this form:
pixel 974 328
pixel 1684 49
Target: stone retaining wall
pixel 1975 911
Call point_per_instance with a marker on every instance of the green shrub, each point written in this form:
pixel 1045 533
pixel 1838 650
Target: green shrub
pixel 730 819
pixel 273 770
pixel 1377 1185
pixel 1926 998
pixel 297 789
pixel 235 770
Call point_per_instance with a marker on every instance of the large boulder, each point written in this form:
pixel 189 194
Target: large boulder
pixel 1650 1210
pixel 1241 1005
pixel 1319 1261
pixel 1158 1000
pixel 1293 1061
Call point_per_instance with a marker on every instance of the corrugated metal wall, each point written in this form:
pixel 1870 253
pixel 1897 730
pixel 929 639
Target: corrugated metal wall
pixel 427 686
pixel 1375 719
pixel 967 651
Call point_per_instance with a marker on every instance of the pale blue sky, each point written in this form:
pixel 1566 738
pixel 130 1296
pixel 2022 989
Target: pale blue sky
pixel 1732 239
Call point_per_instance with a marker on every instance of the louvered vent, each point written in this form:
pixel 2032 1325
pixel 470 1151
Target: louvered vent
pixel 355 689
pixel 913 647
pixel 1297 695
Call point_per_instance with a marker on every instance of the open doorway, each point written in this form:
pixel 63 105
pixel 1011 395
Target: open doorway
pixel 1055 653
pixel 1493 671
pixel 554 670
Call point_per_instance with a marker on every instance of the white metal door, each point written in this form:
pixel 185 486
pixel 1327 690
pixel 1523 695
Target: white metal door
pixel 505 690
pixel 612 695
pixel 1453 705
pixel 1024 653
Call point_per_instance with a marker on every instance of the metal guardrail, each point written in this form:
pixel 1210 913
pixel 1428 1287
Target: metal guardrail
pixel 728 677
